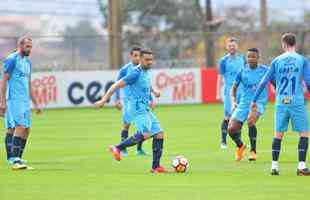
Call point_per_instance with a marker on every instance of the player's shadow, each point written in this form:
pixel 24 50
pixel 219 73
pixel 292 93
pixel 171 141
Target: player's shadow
pixel 49 166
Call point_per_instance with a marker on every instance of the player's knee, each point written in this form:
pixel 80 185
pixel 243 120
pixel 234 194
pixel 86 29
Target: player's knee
pixel 279 135
pixel 304 134
pixel 159 135
pixel 10 130
pixel 233 127
pixel 126 127
pixel 251 123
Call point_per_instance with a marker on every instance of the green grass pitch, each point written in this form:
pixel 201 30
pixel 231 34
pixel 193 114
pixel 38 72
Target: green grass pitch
pixel 68 148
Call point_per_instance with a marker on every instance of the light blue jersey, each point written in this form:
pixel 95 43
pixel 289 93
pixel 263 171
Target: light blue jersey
pixel 228 67
pixel 18 92
pixel 249 79
pixel 19 70
pixel 126 69
pixel 139 83
pixel 290 70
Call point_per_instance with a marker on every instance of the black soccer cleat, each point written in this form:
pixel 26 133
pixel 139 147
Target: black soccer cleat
pixel 303 172
pixel 275 172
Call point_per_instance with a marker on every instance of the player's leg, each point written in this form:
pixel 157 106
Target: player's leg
pixel 143 125
pixel 234 129
pixel 19 136
pixel 157 145
pixel 124 136
pixel 299 117
pixel 21 116
pixel 9 125
pixel 281 124
pixel 253 130
pixel 9 142
pixel 224 124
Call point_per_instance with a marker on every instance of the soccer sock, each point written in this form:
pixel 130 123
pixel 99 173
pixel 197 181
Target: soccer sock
pixel 224 127
pixel 124 135
pixel 8 145
pixel 131 141
pixel 236 137
pixel 23 144
pixel 157 152
pixel 276 147
pixel 139 146
pixel 16 148
pixel 302 152
pixel 252 136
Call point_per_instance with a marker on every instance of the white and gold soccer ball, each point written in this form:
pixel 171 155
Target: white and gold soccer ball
pixel 180 164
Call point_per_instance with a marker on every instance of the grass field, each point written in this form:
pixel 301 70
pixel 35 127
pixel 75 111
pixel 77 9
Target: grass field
pixel 68 150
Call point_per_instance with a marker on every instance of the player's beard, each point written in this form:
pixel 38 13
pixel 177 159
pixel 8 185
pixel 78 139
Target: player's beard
pixel 26 53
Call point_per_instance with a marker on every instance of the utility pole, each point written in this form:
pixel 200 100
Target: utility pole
pixel 115 34
pixel 263 27
pixel 209 36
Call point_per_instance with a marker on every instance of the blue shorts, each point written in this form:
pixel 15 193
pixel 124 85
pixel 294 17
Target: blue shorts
pixel 17 114
pixel 297 114
pixel 147 123
pixel 242 111
pixel 126 114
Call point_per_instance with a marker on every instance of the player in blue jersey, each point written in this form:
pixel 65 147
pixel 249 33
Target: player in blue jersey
pixel 122 103
pixel 228 67
pixel 15 101
pixel 144 119
pixel 248 77
pixel 290 71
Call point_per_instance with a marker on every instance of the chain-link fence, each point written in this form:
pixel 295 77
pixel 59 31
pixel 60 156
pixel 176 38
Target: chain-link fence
pixel 171 50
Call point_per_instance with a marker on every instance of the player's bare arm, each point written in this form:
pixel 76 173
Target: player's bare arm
pixel 104 99
pixel 233 96
pixel 3 88
pixel 219 85
pixel 155 92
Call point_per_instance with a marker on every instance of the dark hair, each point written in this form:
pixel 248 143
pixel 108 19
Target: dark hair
pixel 232 39
pixel 146 51
pixel 135 48
pixel 254 50
pixel 289 39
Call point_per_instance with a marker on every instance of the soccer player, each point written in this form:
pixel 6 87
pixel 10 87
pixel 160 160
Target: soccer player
pixel 248 77
pixel 144 119
pixel 228 67
pixel 15 101
pixel 123 103
pixel 290 71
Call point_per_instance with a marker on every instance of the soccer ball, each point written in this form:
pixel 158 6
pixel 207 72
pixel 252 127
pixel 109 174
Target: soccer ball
pixel 180 164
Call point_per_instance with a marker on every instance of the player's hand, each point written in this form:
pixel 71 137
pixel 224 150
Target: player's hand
pixel 152 105
pixel 99 104
pixel 234 106
pixel 38 110
pixel 156 93
pixel 218 97
pixel 118 105
pixel 2 109
pixel 253 107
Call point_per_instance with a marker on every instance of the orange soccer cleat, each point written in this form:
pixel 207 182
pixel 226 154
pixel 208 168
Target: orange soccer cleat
pixel 240 152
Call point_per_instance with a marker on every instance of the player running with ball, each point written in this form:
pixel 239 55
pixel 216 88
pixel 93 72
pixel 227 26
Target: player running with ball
pixel 144 119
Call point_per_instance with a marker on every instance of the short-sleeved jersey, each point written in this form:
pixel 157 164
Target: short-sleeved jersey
pixel 289 70
pixel 126 69
pixel 19 69
pixel 249 79
pixel 228 67
pixel 139 83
